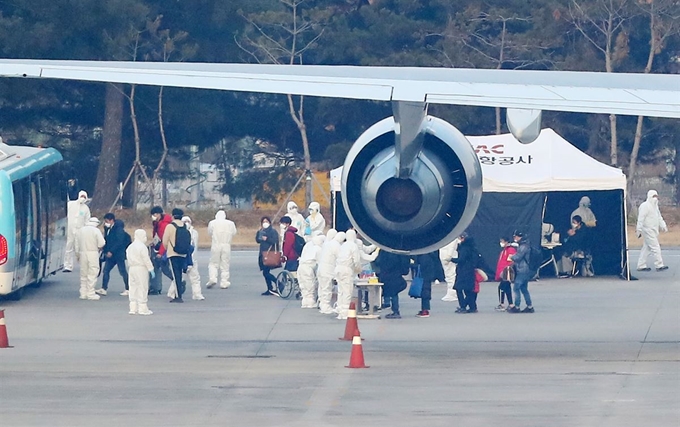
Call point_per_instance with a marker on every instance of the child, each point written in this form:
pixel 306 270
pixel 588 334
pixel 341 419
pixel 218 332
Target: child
pixel 140 267
pixel 505 273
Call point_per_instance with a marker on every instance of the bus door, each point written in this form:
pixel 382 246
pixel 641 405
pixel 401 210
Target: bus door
pixel 44 224
pixel 35 221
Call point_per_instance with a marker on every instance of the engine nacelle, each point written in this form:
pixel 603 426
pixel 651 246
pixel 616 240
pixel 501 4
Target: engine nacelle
pixel 423 212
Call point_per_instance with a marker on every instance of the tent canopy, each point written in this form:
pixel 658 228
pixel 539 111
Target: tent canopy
pixel 550 163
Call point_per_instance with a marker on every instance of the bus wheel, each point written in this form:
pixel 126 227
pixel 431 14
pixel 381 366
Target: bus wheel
pixel 16 295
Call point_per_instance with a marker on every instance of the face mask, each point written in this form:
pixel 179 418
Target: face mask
pixel 82 200
pixel 502 245
pixel 154 218
pixel 265 225
pixel 574 225
pixel 107 225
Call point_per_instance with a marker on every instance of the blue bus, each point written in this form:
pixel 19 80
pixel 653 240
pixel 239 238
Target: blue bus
pixel 32 216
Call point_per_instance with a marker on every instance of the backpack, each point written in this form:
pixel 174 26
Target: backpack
pixel 127 239
pixel 535 259
pixel 299 244
pixel 182 243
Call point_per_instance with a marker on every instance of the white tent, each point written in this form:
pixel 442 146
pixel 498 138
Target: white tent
pixel 527 184
pixel 550 163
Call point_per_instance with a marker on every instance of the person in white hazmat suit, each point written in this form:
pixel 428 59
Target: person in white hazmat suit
pixel 139 269
pixel 221 231
pixel 326 269
pixel 307 270
pixel 77 214
pixel 192 270
pixel 296 220
pixel 88 244
pixel 584 211
pixel 315 221
pixel 348 265
pixel 446 254
pixel 649 223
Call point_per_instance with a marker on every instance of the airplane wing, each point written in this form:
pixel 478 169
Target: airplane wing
pixel 653 95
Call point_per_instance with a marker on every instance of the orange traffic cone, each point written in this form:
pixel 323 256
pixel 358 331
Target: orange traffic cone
pixel 4 342
pixel 351 324
pixel 356 359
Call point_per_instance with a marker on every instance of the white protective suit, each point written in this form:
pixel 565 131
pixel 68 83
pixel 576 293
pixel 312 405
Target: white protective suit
pixel 326 269
pixel 445 254
pixel 192 271
pixel 315 221
pixel 221 231
pixel 77 214
pixel 297 221
pixel 583 210
pixel 648 225
pixel 139 268
pixel 306 273
pixel 89 241
pixel 347 267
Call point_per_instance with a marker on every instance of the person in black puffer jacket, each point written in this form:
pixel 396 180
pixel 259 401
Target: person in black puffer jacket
pixel 117 241
pixel 268 239
pixel 431 269
pixel 466 263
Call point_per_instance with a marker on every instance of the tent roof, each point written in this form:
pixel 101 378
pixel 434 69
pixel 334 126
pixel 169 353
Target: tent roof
pixel 550 163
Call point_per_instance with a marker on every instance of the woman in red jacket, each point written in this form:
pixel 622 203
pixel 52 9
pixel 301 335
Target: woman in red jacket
pixel 505 274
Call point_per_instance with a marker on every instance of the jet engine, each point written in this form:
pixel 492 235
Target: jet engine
pixel 411 186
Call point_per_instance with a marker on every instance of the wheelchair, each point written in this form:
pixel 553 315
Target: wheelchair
pixel 287 285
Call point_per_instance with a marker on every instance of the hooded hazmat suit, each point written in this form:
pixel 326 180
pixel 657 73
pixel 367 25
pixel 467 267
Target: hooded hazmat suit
pixel 77 214
pixel 139 266
pixel 348 265
pixel 649 223
pixel 326 269
pixel 446 254
pixel 583 210
pixel 315 221
pixel 307 268
pixel 221 231
pixel 89 241
pixel 192 270
pixel 297 220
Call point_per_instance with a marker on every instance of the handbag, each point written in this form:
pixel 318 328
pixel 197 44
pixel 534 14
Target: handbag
pixel 508 274
pixel 416 288
pixel 271 259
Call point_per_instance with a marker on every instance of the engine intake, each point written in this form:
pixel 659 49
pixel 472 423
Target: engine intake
pixel 426 210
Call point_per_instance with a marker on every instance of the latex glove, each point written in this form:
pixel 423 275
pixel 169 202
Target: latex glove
pixel 638 233
pixel 664 228
pixel 152 274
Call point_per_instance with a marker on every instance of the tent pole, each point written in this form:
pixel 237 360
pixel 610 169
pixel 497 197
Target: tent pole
pixel 625 271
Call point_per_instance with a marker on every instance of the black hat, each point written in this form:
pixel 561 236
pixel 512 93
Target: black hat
pixel 518 233
pixel 156 210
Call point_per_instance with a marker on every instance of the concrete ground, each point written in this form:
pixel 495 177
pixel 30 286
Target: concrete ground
pixel 597 352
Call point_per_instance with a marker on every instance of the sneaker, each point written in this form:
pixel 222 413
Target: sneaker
pixel 460 310
pixel 132 312
pixel 393 316
pixel 384 306
pixel 146 313
pixel 423 313
pixel 528 310
pixel 225 287
pixel 198 298
pixel 564 276
pixel 67 270
pixel 471 311
pixel 500 307
pixel 83 297
pixel 177 300
pixel 513 310
pixel 644 269
pixel 94 297
pixel 662 268
pixel 266 293
pixel 327 312
pixel 274 292
pixel 154 292
pixel 210 284
pixel 100 291
pixel 124 293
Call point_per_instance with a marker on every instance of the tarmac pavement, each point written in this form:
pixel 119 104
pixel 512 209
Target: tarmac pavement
pixel 598 352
